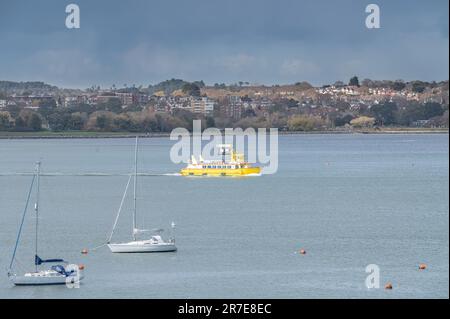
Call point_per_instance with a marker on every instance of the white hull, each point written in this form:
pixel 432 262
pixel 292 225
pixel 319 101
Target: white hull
pixel 44 278
pixel 144 246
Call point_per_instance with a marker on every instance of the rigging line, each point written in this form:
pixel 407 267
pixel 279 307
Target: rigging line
pixel 21 223
pixel 100 246
pixel 120 209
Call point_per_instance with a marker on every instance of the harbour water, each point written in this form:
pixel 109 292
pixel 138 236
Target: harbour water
pixel 348 200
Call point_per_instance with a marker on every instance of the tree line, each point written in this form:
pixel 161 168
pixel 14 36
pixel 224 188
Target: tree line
pixel 286 114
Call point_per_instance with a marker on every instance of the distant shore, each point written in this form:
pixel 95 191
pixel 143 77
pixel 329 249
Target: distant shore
pixel 88 134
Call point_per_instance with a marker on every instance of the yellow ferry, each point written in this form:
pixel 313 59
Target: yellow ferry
pixel 236 166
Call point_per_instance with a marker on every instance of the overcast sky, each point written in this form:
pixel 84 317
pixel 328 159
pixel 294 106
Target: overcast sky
pixel 260 41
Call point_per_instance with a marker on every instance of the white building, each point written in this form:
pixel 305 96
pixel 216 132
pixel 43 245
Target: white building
pixel 203 105
pixel 70 101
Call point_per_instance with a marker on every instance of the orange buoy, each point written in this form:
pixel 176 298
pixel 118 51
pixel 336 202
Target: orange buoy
pixel 422 266
pixel 302 252
pixel 81 267
pixel 388 286
pixel 84 251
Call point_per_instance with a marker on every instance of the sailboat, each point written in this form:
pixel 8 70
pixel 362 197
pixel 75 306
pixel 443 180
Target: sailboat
pixel 61 273
pixel 155 243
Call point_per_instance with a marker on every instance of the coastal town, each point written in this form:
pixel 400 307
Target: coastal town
pixel 37 106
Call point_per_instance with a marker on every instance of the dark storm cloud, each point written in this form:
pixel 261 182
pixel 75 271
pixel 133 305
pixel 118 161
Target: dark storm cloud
pixel 260 41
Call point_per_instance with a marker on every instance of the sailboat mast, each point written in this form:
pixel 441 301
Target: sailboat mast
pixel 21 223
pixel 36 207
pixel 135 187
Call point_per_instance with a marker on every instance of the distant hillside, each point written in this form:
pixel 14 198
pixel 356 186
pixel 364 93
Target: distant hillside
pixel 169 86
pixel 10 87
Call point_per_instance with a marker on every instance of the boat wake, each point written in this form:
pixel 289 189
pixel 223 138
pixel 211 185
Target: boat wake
pixel 171 174
pixel 57 174
pixel 99 174
pixel 254 175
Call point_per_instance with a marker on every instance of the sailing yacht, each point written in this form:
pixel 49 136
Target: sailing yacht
pixel 155 243
pixel 61 273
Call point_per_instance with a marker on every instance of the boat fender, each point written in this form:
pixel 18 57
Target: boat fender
pixel 422 266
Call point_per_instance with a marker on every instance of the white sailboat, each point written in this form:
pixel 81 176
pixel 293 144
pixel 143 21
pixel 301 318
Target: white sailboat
pixel 155 243
pixel 57 274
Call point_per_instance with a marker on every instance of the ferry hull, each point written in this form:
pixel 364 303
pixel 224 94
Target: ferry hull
pixel 220 172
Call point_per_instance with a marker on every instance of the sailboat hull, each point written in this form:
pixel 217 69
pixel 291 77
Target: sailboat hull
pixel 141 247
pixel 44 279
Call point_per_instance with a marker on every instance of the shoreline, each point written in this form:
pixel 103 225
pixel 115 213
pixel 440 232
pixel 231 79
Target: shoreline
pixel 90 135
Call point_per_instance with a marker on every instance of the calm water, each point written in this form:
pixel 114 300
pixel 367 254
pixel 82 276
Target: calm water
pixel 349 200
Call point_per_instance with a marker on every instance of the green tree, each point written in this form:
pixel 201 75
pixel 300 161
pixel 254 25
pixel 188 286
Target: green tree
pixel 354 81
pixel 46 107
pixel 28 121
pixel 191 89
pixel 343 119
pixel 13 110
pixel 82 108
pixel 34 122
pixel 148 122
pixel 384 113
pixel 432 109
pixel 363 121
pixel 418 86
pixel 398 85
pixel 58 121
pixel 76 121
pixel 124 122
pixel 305 123
pixel 102 122
pixel 20 124
pixel 113 104
pixel 417 111
pixel 5 121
